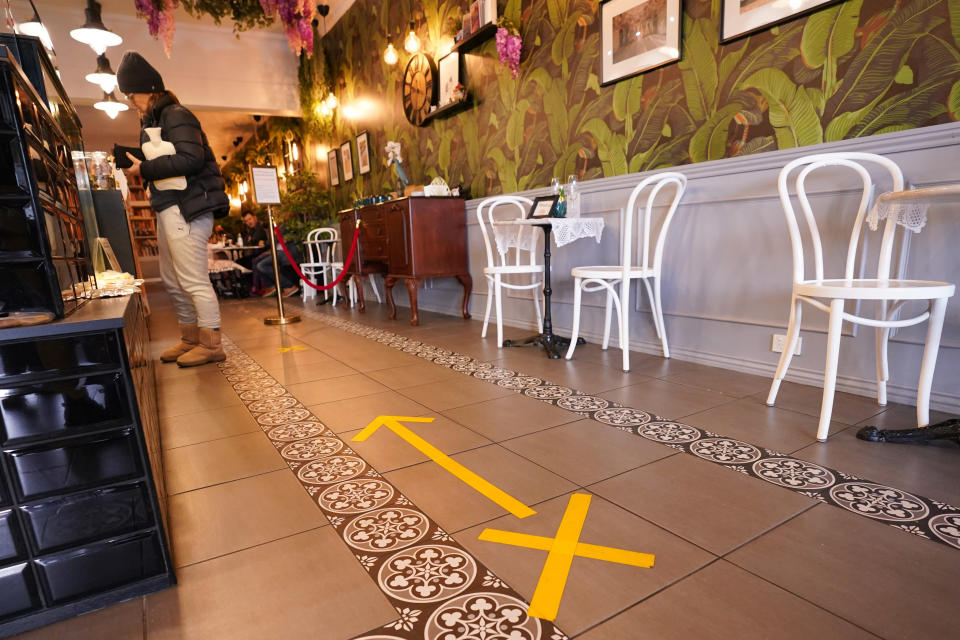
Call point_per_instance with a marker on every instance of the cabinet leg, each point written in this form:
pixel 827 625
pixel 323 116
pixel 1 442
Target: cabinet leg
pixel 412 285
pixel 467 283
pixel 361 280
pixel 388 283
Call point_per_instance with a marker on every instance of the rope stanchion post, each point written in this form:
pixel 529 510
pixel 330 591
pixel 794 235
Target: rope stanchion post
pixel 281 318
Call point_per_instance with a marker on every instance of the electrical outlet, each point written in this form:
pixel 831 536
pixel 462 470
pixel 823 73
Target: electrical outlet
pixel 779 343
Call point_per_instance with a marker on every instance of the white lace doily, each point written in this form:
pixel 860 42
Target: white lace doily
pixel 912 216
pixel 565 231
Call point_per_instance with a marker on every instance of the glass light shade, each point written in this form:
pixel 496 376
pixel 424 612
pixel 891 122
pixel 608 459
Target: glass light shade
pixel 294 151
pixel 93 32
pixel 104 75
pixel 110 105
pixel 390 56
pixel 35 28
pixel 412 42
pixel 331 102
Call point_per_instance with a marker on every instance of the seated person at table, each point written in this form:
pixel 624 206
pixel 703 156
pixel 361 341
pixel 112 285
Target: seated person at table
pixel 289 280
pixel 254 234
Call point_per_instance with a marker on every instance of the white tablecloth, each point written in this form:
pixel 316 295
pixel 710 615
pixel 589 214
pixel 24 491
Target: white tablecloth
pixel 514 234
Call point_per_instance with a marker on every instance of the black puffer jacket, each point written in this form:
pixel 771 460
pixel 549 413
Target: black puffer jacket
pixel 206 191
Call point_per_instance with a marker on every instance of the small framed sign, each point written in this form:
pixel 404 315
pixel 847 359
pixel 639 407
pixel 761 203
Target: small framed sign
pixel 543 206
pixel 363 153
pixel 346 155
pixel 332 167
pixel 266 186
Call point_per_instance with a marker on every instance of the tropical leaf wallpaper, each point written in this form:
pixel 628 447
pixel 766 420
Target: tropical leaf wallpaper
pixel 856 68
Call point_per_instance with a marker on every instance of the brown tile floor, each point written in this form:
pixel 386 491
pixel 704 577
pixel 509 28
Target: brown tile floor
pixel 735 557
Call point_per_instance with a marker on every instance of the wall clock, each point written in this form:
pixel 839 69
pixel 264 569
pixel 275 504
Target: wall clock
pixel 419 88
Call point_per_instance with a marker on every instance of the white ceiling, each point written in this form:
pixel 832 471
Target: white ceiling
pixel 224 79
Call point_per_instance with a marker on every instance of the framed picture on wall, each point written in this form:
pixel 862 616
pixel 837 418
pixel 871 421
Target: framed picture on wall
pixel 449 72
pixel 742 17
pixel 332 167
pixel 346 155
pixel 637 36
pixel 363 153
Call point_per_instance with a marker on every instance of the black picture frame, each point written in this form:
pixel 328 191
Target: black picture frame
pixel 620 60
pixel 346 159
pixel 542 207
pixel 448 74
pixel 333 168
pixel 736 24
pixel 363 153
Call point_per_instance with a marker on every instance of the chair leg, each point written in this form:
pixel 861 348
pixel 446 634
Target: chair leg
pixel 607 313
pixel 577 299
pixel 934 327
pixel 623 315
pixel 499 302
pixel 830 370
pixel 883 370
pixel 659 316
pixel 653 305
pixel 486 315
pixel 793 331
pixel 376 292
pixel 536 305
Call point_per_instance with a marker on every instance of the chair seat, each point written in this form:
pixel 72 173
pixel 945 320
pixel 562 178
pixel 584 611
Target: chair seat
pixel 527 268
pixel 610 272
pixel 864 289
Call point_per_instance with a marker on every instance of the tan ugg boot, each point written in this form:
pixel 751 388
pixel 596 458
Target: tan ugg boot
pixel 189 338
pixel 209 350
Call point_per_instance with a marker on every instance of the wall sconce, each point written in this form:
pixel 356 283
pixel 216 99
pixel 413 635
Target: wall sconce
pixel 412 42
pixel 104 75
pixel 110 105
pixel 93 32
pixel 331 102
pixel 34 27
pixel 294 151
pixel 390 56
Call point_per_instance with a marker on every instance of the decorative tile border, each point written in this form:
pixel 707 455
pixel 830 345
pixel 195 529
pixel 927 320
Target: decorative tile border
pixel 923 517
pixel 438 588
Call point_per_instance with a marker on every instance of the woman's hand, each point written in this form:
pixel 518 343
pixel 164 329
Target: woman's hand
pixel 134 169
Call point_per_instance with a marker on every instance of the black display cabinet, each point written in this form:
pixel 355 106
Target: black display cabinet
pixel 82 497
pixel 44 258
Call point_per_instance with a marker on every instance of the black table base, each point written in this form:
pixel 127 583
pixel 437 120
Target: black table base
pixel 946 430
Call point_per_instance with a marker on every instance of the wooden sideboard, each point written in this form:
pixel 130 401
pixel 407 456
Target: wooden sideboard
pixel 409 239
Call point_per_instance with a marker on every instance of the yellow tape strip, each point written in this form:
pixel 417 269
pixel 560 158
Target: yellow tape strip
pixel 553 579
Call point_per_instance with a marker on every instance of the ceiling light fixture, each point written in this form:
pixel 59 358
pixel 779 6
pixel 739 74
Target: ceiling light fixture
pixel 93 32
pixel 111 105
pixel 34 27
pixel 390 56
pixel 104 75
pixel 412 42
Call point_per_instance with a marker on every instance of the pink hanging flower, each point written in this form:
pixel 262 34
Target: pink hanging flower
pixel 160 21
pixel 296 16
pixel 509 46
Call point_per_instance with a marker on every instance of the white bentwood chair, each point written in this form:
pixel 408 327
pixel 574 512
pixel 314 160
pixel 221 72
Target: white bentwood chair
pixel 830 295
pixel 612 277
pixel 523 246
pixel 320 254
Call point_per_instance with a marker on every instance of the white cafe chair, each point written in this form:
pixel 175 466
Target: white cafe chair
pixel 615 279
pixel 503 261
pixel 830 295
pixel 320 254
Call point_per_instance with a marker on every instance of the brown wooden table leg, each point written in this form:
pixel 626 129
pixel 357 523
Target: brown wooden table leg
pixel 467 283
pixel 361 280
pixel 412 285
pixel 388 283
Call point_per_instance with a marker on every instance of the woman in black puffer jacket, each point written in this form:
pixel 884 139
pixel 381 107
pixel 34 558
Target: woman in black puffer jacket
pixel 184 214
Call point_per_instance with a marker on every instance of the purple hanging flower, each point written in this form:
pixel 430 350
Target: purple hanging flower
pixel 509 46
pixel 160 21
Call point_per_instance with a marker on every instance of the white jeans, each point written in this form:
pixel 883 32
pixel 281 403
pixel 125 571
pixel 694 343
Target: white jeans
pixel 183 267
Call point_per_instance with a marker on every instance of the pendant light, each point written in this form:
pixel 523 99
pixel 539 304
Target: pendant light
pixel 390 55
pixel 110 105
pixel 412 42
pixel 34 27
pixel 93 32
pixel 104 75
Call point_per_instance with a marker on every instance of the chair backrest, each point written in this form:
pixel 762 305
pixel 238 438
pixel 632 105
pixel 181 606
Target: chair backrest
pixel 854 161
pixel 321 245
pixel 521 241
pixel 637 207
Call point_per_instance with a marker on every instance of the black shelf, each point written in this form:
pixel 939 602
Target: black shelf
pixel 448 110
pixel 476 38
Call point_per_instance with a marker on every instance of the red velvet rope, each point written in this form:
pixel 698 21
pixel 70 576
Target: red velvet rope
pixel 296 267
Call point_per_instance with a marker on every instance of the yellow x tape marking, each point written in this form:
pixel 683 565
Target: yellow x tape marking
pixel 296 347
pixel 546 598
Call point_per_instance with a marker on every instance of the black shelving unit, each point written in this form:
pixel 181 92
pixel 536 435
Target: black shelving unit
pixel 82 497
pixel 476 38
pixel 448 110
pixel 44 257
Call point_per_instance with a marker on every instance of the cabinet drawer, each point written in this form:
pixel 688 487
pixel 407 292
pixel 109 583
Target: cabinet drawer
pixel 18 589
pixel 82 463
pixel 55 355
pixel 87 516
pixel 372 216
pixel 101 566
pixel 10 546
pixel 375 249
pixel 62 406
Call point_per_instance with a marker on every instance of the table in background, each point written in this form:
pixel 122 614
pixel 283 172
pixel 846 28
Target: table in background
pixel 568 230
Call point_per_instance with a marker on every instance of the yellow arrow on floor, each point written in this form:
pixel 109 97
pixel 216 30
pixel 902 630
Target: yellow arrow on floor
pixel 495 494
pixel 296 347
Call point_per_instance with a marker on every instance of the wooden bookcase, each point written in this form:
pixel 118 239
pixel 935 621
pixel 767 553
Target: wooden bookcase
pixel 143 220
